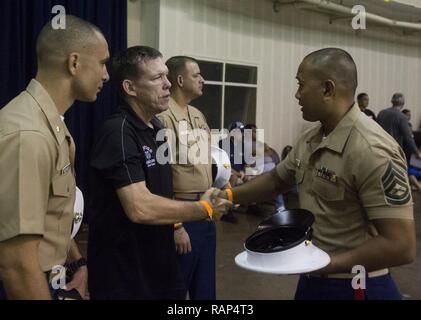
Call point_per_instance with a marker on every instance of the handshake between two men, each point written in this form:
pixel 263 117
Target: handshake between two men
pixel 218 205
pixel 262 188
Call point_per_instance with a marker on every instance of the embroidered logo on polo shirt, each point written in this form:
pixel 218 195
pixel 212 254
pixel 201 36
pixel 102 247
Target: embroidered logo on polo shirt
pixel 150 160
pixel 395 185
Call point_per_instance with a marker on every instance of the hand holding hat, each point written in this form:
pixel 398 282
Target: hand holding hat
pixel 282 245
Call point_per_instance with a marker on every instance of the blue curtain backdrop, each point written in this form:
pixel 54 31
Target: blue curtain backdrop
pixel 20 23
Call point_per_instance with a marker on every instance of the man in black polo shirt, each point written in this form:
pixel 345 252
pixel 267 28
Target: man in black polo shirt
pixel 131 250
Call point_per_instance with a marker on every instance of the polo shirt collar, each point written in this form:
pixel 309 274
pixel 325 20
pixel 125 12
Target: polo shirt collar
pixel 48 107
pixel 137 122
pixel 337 139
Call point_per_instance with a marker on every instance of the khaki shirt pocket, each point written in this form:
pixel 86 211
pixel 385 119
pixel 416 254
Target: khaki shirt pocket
pixel 193 151
pixel 299 176
pixel 201 124
pixel 183 150
pixel 204 130
pixel 327 190
pixel 62 185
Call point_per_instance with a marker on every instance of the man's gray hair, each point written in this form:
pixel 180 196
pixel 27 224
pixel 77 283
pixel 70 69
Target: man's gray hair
pixel 398 99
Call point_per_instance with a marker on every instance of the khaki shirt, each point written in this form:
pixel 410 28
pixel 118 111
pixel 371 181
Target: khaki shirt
pixel 189 176
pixel 37 189
pixel 354 175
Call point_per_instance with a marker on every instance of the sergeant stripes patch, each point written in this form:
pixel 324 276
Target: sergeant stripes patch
pixel 395 185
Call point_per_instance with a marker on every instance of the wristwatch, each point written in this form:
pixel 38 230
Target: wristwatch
pixel 74 266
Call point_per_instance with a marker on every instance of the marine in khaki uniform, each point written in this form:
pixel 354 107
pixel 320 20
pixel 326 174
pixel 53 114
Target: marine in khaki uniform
pixel 37 190
pixel 192 175
pixel 355 174
pixel 352 176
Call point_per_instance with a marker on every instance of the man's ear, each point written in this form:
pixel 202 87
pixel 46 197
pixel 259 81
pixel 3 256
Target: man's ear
pixel 128 87
pixel 180 80
pixel 329 88
pixel 73 63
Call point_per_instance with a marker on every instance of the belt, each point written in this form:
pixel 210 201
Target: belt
pixel 372 274
pixel 192 196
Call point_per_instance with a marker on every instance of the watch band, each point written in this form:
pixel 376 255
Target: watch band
pixel 72 267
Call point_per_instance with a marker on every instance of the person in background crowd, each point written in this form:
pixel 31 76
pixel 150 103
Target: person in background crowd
pixel 363 100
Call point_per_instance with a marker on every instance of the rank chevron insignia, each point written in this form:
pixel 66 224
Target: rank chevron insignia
pixel 395 185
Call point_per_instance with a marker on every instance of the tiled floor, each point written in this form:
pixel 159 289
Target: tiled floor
pixel 239 284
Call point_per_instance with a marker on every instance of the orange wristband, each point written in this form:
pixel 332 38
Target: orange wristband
pixel 208 208
pixel 229 194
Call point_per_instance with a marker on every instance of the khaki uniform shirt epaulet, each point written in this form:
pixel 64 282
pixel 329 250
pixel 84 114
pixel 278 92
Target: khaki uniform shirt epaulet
pixel 356 174
pixel 37 191
pixel 192 169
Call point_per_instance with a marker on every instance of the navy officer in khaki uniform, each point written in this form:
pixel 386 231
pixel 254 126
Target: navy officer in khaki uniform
pixel 37 190
pixel 352 176
pixel 196 240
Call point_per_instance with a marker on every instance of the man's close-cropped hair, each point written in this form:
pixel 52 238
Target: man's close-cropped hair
pixel 125 64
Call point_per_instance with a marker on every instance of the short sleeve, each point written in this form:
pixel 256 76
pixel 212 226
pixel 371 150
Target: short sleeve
pixel 117 155
pixel 286 168
pixel 383 185
pixel 26 162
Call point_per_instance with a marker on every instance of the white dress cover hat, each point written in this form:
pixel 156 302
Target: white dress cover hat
pixel 78 212
pixel 221 167
pixel 282 245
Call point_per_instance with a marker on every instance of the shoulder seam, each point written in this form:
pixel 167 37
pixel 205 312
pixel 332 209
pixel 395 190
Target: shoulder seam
pixel 122 149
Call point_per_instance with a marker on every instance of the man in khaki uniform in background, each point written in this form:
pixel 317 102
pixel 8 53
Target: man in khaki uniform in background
pixel 195 241
pixel 37 190
pixel 352 176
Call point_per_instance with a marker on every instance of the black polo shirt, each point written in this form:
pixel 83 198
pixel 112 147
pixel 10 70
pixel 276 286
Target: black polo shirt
pixel 128 260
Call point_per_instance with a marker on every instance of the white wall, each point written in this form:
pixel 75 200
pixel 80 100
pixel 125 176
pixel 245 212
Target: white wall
pixel 415 3
pixel 133 22
pixel 249 31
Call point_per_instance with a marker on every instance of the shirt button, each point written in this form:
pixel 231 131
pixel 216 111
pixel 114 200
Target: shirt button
pixel 58 129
